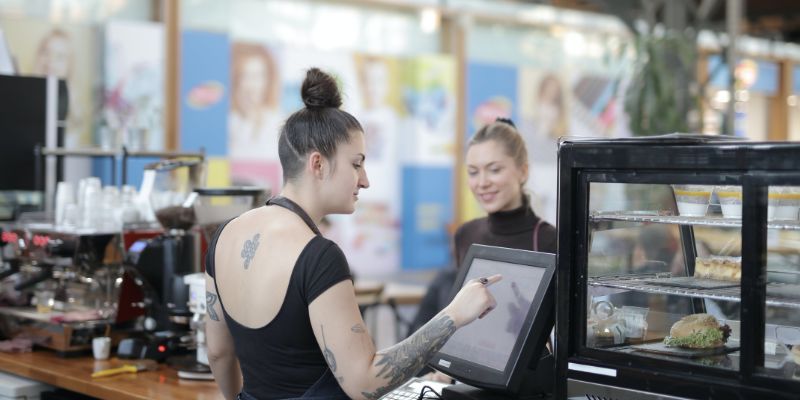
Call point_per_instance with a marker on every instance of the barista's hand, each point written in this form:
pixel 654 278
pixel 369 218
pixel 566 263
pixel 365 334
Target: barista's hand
pixel 473 301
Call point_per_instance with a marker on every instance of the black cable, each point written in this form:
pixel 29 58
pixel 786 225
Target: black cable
pixel 428 391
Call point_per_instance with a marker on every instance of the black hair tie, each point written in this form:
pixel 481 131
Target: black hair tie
pixel 505 121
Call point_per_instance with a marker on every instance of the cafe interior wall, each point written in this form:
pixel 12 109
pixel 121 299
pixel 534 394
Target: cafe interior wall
pixel 343 31
pixel 536 57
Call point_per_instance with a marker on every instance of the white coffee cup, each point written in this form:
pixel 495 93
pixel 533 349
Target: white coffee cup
pixel 101 347
pixel 65 195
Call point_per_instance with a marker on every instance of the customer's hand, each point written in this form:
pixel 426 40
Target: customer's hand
pixel 473 301
pixel 437 376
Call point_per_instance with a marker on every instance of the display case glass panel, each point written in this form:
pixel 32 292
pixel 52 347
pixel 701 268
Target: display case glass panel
pixel 659 255
pixel 782 308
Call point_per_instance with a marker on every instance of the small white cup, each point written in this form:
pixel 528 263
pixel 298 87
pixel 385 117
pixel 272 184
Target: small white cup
pixel 101 347
pixel 65 195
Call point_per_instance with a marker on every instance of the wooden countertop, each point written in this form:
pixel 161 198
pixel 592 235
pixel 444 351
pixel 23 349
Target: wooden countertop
pixel 74 374
pixel 374 292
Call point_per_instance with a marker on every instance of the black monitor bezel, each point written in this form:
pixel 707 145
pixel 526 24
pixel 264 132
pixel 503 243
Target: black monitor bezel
pixel 537 326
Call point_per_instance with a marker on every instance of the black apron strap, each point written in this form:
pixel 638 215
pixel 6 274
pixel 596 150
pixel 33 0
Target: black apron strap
pixel 295 208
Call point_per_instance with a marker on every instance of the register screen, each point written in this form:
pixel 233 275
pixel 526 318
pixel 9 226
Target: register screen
pixel 489 341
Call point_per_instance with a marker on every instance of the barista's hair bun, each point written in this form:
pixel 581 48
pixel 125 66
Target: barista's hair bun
pixel 320 90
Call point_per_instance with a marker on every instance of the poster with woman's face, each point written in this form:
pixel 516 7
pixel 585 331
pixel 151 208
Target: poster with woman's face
pixel 254 119
pixel 380 107
pixel 544 104
pixel 40 48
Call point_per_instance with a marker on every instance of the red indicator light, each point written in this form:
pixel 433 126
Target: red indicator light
pixel 162 348
pixel 40 240
pixel 9 237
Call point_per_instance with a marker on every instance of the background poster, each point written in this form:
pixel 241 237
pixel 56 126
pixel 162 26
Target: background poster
pixel 205 92
pixel 205 100
pixel 254 119
pixel 429 98
pixel 427 212
pixel 254 116
pixel 40 48
pixel 597 107
pixel 134 86
pixel 544 104
pixel 428 155
pixel 380 112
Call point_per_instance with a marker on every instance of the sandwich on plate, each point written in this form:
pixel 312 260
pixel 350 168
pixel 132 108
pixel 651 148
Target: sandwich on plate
pixel 698 331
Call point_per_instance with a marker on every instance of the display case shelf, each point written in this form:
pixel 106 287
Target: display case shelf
pixel 778 294
pixel 654 217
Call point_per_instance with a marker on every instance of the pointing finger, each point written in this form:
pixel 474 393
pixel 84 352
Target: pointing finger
pixel 492 279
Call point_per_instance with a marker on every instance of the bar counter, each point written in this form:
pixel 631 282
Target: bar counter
pixel 74 374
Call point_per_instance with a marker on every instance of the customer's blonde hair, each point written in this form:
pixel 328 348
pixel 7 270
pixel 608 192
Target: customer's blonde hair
pixel 505 133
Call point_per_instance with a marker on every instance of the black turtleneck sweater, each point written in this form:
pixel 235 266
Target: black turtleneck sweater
pixel 513 229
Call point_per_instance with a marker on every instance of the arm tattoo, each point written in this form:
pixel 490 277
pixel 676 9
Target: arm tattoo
pixel 329 357
pixel 403 360
pixel 249 250
pixel 211 299
pixel 358 328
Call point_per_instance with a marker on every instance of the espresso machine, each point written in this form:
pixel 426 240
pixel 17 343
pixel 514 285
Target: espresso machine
pixel 61 286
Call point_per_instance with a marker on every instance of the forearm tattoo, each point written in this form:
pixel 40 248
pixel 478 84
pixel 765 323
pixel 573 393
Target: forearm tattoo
pixel 249 250
pixel 358 328
pixel 403 360
pixel 329 357
pixel 211 299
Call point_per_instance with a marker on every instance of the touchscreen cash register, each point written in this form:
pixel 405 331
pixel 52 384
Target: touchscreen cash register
pixel 504 353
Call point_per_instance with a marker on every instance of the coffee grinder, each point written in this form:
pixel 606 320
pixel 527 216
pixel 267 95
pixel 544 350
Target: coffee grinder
pixel 162 262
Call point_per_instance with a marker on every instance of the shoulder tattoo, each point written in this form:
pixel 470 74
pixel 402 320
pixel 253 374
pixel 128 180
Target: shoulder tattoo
pixel 211 300
pixel 249 250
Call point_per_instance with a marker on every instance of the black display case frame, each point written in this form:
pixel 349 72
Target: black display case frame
pixel 672 159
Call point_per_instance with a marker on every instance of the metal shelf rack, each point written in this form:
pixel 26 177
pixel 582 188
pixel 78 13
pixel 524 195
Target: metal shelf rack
pixel 776 292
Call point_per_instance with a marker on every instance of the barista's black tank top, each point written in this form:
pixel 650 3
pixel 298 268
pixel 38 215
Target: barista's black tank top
pixel 282 359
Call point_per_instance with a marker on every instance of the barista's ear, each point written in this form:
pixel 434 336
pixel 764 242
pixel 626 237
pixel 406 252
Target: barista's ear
pixel 316 165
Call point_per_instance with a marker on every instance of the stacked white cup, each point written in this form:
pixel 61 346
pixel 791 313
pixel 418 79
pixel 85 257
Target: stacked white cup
pixel 110 202
pixel 65 199
pixel 89 202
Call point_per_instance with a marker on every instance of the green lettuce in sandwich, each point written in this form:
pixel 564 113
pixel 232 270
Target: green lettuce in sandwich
pixel 697 331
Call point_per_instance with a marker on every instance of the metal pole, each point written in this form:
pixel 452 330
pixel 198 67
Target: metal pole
pixel 37 165
pixel 733 15
pixel 124 165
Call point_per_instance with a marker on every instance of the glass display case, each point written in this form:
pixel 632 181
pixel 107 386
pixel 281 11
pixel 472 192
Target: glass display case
pixel 678 268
